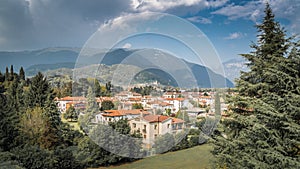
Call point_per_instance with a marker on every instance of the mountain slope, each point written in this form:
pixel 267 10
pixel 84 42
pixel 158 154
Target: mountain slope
pixel 56 58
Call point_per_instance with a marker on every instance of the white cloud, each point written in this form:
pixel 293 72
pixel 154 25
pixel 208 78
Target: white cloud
pixel 199 19
pixel 253 10
pixel 127 46
pixel 235 35
pixel 164 5
pixel 250 11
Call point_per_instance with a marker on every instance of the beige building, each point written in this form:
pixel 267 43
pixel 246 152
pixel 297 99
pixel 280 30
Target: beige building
pixel 151 126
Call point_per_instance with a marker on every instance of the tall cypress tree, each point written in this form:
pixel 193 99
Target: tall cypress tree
pixel 6 74
pixel 263 128
pixel 11 72
pixel 22 74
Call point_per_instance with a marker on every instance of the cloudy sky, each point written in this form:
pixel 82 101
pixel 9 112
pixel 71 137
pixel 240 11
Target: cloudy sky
pixel 228 24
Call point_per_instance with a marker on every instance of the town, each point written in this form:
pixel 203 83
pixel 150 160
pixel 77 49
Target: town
pixel 151 116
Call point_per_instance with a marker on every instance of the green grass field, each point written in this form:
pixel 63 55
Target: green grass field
pixel 194 158
pixel 73 124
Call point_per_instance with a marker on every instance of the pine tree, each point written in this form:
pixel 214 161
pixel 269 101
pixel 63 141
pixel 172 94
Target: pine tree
pixel 8 125
pixel 263 128
pixel 39 91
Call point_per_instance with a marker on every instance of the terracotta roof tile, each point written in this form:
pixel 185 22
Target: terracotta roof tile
pixel 156 118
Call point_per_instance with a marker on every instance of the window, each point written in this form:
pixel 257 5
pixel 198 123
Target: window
pixel 155 135
pixel 155 127
pixel 145 136
pixel 168 125
pixel 134 125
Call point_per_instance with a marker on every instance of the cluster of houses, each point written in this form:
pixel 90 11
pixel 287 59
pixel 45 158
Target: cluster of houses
pixel 152 120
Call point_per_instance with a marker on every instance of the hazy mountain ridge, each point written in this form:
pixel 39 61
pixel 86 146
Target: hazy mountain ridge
pixel 233 67
pixel 62 60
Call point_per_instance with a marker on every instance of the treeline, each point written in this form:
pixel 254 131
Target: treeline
pixel 32 134
pixel 63 86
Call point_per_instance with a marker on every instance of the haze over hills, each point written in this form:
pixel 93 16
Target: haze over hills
pixel 52 59
pixel 233 67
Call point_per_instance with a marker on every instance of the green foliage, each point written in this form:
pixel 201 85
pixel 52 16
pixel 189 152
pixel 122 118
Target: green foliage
pixel 71 114
pixel 8 125
pixel 143 90
pixel 137 106
pixel 34 157
pixel 107 105
pixel 22 74
pixel 2 77
pixel 39 92
pixel 91 109
pixel 263 128
pixel 182 115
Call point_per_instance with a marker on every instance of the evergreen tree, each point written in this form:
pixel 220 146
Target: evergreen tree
pixel 2 77
pixel 91 109
pixel 6 74
pixel 22 74
pixel 15 96
pixel 8 125
pixel 97 88
pixel 41 95
pixel 263 128
pixel 11 76
pixel 39 91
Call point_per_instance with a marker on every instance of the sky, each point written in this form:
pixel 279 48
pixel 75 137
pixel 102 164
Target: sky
pixel 227 24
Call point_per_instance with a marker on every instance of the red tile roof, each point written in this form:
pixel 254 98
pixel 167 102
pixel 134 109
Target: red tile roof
pixel 115 113
pixel 69 98
pixel 177 120
pixel 156 118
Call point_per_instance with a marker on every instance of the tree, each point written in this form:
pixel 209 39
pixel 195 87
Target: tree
pixel 11 76
pixel 8 125
pixel 97 88
pixel 7 74
pixel 37 129
pixel 22 74
pixel 182 115
pixel 39 91
pixel 107 105
pixel 71 114
pixel 2 77
pixel 137 106
pixel 262 130
pixel 91 110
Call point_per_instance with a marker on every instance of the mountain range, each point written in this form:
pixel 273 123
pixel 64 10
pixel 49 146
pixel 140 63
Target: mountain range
pixel 51 59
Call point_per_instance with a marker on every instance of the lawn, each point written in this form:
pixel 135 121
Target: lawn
pixel 73 124
pixel 194 158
